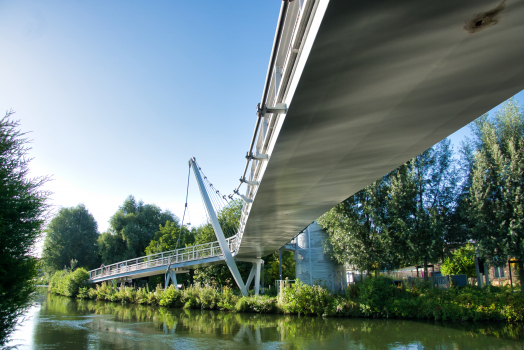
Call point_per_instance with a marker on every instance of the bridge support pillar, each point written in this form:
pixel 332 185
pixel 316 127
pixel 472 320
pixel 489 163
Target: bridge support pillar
pixel 254 274
pixel 250 277
pixel 228 257
pixel 171 275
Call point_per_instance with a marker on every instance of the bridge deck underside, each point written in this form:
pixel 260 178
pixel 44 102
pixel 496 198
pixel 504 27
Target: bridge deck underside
pixel 384 81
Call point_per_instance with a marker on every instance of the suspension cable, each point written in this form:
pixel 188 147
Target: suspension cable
pixel 185 209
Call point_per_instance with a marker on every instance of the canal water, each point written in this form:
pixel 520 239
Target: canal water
pixel 62 323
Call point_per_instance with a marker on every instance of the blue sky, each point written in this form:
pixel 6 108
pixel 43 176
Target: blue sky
pixel 118 95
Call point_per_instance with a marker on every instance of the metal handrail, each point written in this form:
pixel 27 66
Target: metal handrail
pixel 196 252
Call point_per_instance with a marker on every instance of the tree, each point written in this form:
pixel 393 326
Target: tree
pixel 404 217
pixel 461 262
pixel 425 199
pixel 168 238
pixel 496 202
pixel 23 210
pixel 71 234
pixel 357 229
pixel 132 227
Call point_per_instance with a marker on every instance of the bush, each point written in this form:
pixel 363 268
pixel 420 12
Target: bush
pixel 208 298
pixel 141 295
pixel 305 299
pixel 69 283
pixel 190 297
pixel 83 293
pixel 171 297
pixel 375 296
pixel 227 299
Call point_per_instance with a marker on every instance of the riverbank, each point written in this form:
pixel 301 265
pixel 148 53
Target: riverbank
pixel 375 297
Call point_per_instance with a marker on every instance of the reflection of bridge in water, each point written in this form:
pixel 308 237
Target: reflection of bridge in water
pixel 353 90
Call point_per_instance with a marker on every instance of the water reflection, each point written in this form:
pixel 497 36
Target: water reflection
pixel 86 324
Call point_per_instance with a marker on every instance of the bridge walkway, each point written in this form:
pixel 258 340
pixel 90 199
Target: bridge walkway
pixel 154 264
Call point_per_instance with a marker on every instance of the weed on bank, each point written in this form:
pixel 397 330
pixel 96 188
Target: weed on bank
pixel 376 297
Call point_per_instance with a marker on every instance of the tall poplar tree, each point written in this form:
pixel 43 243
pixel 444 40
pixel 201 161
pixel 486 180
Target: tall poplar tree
pixel 496 202
pixel 427 196
pixel 406 217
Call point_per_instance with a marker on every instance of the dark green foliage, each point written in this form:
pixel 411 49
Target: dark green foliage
pixel 71 234
pixel 425 200
pixel 67 283
pixel 258 303
pixel 375 296
pixel 496 198
pixel 271 267
pixel 357 229
pixel 132 228
pixel 22 213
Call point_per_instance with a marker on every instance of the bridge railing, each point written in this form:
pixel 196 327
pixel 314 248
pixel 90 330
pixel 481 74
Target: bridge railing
pixel 196 252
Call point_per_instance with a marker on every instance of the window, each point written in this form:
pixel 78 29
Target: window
pixel 498 272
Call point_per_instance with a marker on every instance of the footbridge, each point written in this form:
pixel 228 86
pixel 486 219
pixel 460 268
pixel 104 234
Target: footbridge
pixel 356 88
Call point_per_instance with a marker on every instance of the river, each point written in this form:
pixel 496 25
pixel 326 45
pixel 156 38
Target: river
pixel 57 322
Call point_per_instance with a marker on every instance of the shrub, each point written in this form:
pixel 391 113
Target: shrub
pixel 376 294
pixel 68 283
pixel 304 299
pixel 375 297
pixel 125 294
pixel 190 297
pixel 258 303
pixel 83 293
pixel 105 291
pixel 227 299
pixel 208 298
pixel 141 295
pixel 171 297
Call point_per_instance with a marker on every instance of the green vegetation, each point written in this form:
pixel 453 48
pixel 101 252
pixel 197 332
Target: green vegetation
pixel 131 230
pixel 22 214
pixel 376 297
pixel 496 201
pixel 168 238
pixel 71 234
pixel 67 283
pixel 461 262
